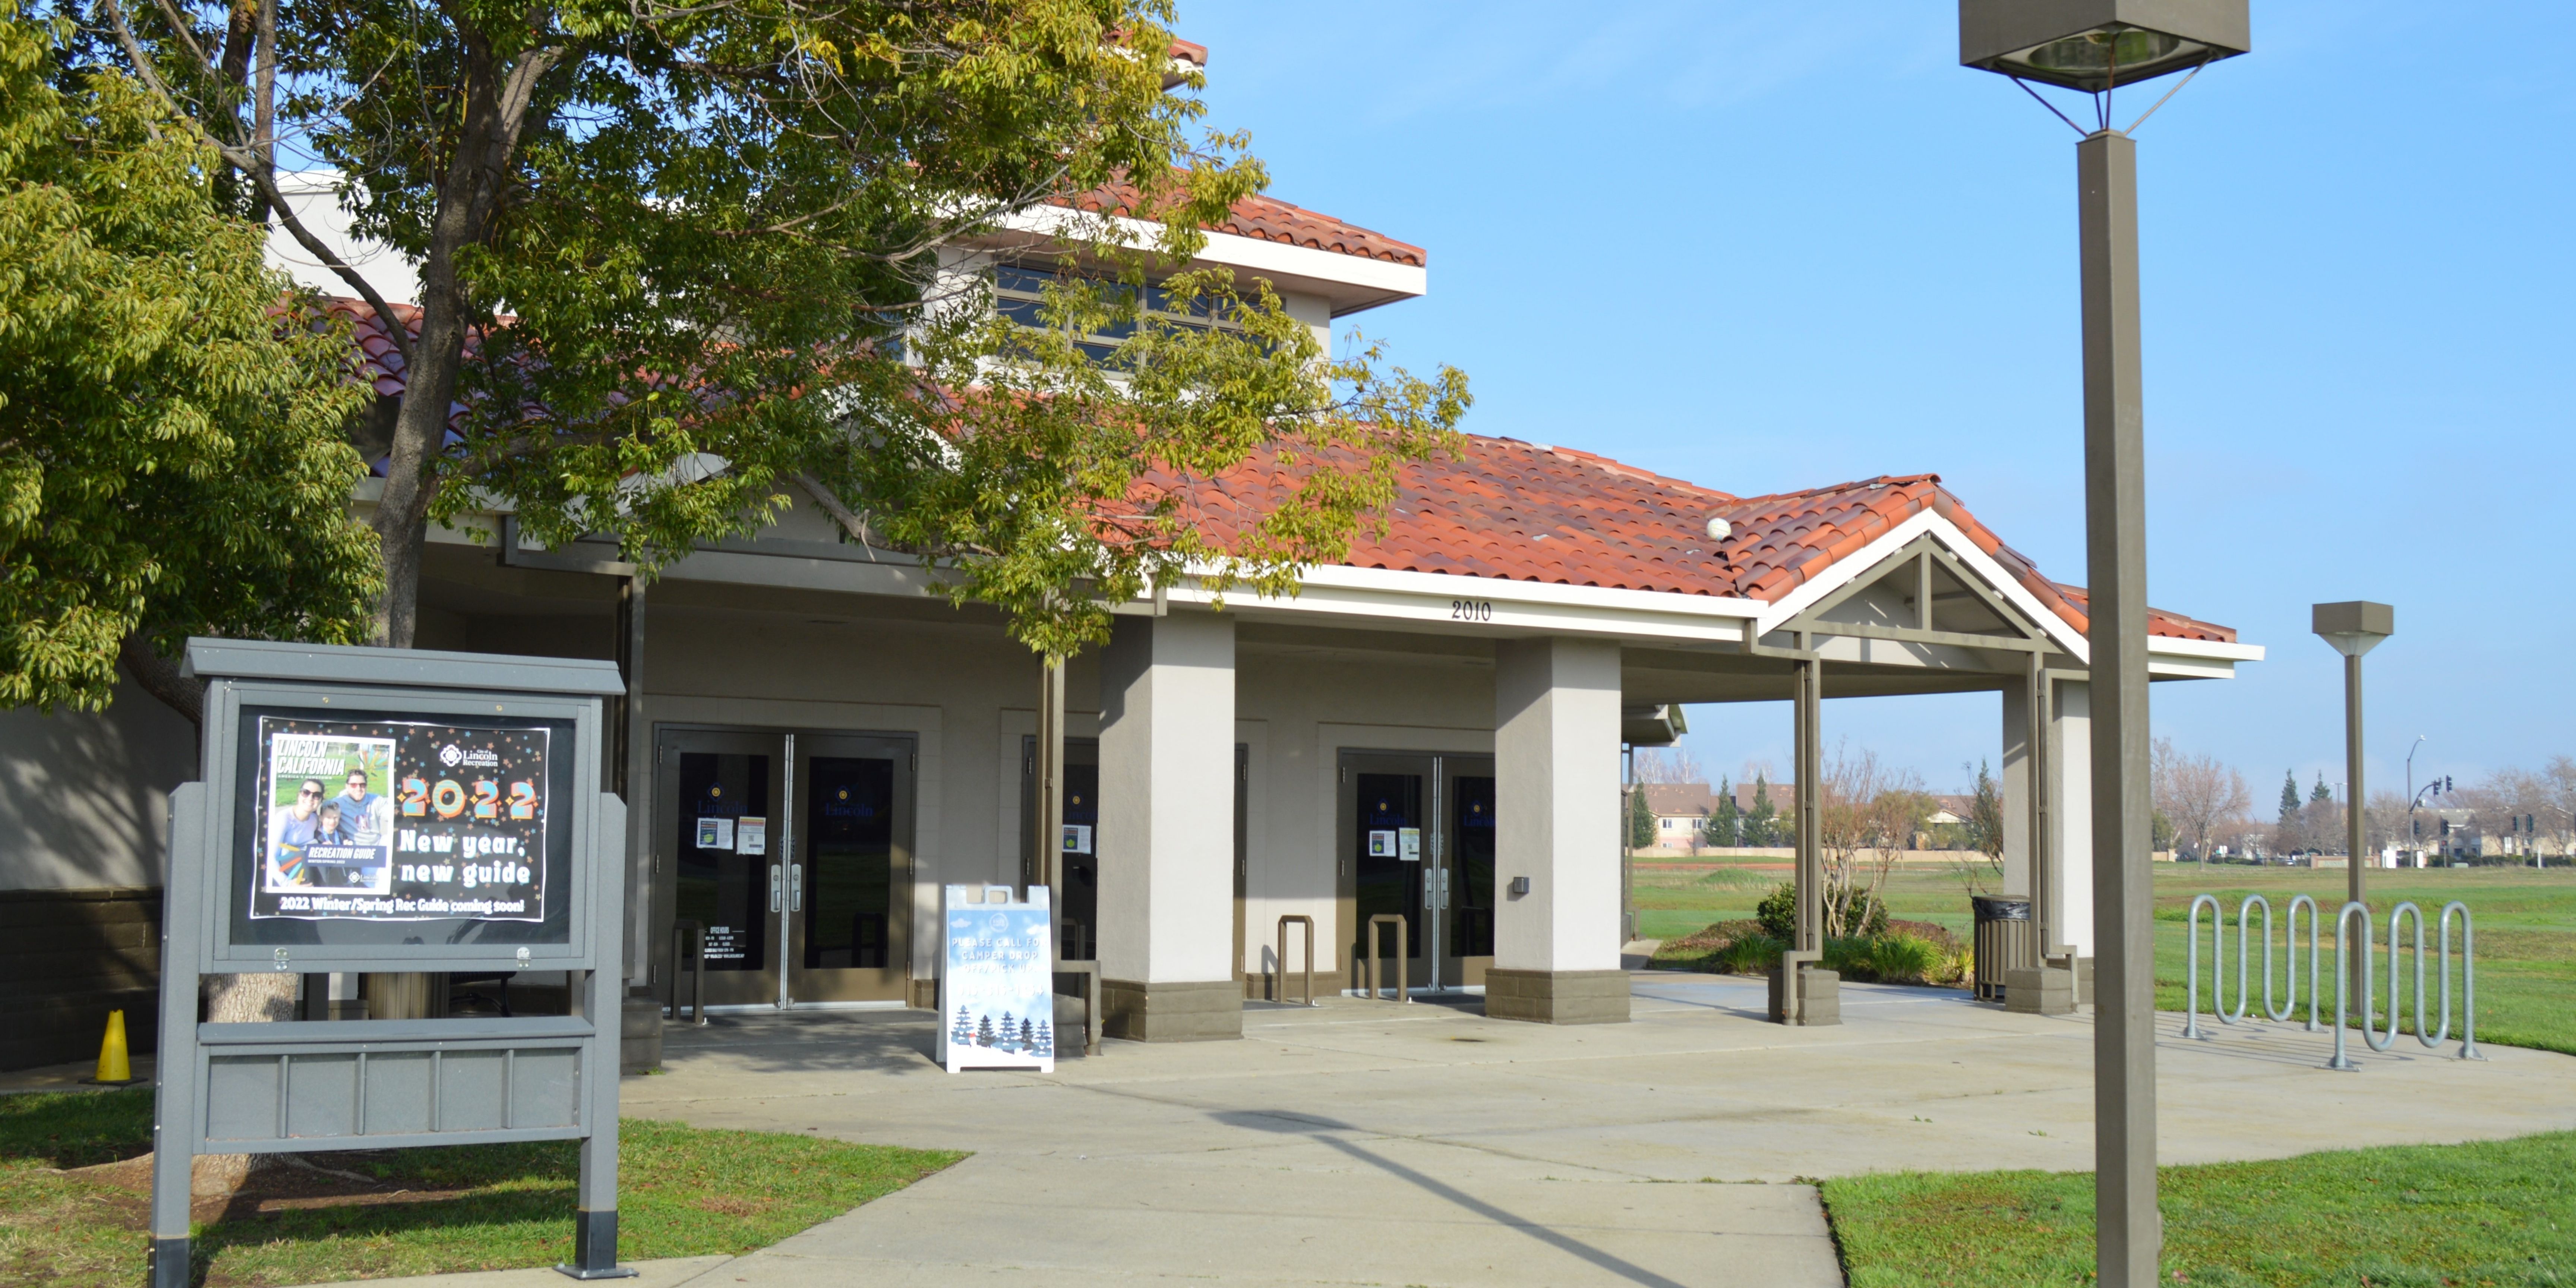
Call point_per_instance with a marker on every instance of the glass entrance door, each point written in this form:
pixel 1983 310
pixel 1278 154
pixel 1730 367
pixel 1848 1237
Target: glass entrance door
pixel 1418 842
pixel 849 882
pixel 1467 862
pixel 793 853
pixel 720 794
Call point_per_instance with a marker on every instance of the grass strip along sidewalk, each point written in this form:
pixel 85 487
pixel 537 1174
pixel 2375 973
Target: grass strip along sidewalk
pixel 682 1192
pixel 2487 1213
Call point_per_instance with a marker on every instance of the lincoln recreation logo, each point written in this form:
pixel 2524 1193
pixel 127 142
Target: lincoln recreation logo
pixel 452 755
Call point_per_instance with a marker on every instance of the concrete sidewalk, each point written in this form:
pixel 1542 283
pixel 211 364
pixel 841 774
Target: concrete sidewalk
pixel 1364 1142
pixel 1371 1143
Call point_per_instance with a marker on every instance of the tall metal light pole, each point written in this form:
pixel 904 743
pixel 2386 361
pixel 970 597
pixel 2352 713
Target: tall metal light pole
pixel 2097 46
pixel 2354 628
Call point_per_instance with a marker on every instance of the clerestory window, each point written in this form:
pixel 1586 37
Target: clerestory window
pixel 1019 292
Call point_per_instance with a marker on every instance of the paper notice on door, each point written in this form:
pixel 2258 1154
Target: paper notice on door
pixel 1077 838
pixel 751 835
pixel 1382 844
pixel 715 834
pixel 1408 841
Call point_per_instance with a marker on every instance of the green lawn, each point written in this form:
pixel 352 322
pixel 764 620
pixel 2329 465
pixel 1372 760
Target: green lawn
pixel 682 1192
pixel 2526 923
pixel 2425 1215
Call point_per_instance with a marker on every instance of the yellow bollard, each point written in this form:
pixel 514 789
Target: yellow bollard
pixel 113 1067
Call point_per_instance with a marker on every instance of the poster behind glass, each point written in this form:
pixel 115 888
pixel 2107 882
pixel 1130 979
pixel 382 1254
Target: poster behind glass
pixel 394 821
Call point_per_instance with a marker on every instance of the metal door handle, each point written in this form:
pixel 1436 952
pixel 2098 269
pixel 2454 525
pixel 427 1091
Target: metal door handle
pixel 773 887
pixel 796 887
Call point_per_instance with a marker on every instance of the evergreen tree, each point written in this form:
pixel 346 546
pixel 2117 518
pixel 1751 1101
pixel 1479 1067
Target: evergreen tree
pixel 1028 1036
pixel 1046 1038
pixel 2289 797
pixel 1986 815
pixel 1726 827
pixel 1762 825
pixel 964 1030
pixel 1008 1039
pixel 2323 792
pixel 984 1030
pixel 1641 819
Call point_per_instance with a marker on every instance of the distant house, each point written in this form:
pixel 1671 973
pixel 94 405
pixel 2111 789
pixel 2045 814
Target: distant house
pixel 1682 810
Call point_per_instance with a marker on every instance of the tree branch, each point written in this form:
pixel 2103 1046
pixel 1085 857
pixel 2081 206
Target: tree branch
pixel 249 162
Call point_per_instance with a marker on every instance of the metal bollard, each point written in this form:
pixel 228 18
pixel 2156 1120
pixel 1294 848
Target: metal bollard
pixel 1281 993
pixel 698 974
pixel 1403 940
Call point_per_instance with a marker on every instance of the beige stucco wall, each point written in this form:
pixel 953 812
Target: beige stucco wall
pixel 84 796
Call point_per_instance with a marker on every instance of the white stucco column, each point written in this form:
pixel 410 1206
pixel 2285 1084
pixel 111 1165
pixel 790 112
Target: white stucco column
pixel 1166 840
pixel 2070 816
pixel 1556 765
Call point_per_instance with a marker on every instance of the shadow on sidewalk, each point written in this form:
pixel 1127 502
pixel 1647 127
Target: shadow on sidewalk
pixel 1326 1131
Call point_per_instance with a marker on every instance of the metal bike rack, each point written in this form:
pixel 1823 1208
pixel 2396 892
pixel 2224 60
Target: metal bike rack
pixel 2344 947
pixel 1403 938
pixel 2468 960
pixel 1282 990
pixel 697 973
pixel 2244 960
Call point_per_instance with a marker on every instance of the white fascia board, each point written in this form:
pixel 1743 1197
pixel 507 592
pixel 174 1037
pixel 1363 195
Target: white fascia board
pixel 2213 649
pixel 1491 606
pixel 1237 251
pixel 2003 583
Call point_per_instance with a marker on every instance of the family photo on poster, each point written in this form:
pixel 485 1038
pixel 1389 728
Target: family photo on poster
pixel 400 821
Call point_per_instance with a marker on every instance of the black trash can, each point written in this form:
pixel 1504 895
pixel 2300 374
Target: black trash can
pixel 2004 940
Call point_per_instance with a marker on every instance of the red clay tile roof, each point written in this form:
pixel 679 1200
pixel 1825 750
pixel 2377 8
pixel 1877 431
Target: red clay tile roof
pixel 1272 220
pixel 1524 512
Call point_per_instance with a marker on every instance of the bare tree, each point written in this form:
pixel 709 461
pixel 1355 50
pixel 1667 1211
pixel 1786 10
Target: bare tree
pixel 1866 814
pixel 2198 794
pixel 1672 764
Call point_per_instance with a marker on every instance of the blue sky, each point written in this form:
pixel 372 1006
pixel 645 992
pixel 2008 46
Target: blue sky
pixel 1765 246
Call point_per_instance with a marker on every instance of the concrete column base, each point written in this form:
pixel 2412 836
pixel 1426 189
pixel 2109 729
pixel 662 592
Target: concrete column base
pixel 2039 990
pixel 1191 1011
pixel 1557 996
pixel 1820 996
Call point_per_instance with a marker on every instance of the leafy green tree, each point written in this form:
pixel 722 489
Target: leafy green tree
pixel 171 451
pixel 683 262
pixel 1641 819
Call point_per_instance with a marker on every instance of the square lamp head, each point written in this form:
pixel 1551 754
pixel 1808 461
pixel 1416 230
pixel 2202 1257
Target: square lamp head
pixel 2354 627
pixel 2093 44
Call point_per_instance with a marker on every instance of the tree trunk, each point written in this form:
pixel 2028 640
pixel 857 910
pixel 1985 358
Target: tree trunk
pixel 240 999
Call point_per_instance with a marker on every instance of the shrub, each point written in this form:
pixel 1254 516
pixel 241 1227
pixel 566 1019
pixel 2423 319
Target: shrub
pixel 1726 948
pixel 1778 913
pixel 1895 959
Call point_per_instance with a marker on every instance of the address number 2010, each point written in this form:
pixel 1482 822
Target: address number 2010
pixel 1471 610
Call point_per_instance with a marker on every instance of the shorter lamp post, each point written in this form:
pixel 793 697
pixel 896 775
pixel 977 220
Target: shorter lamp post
pixel 2353 628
